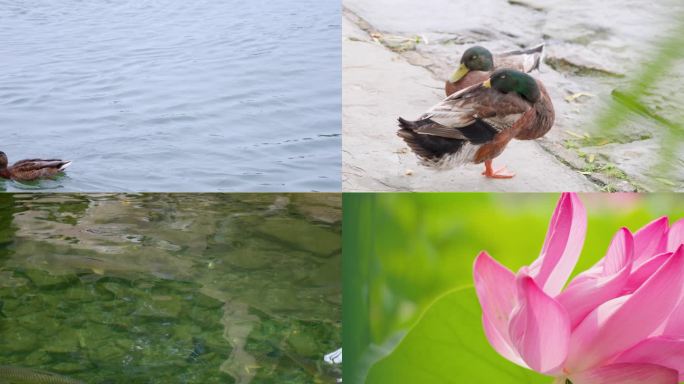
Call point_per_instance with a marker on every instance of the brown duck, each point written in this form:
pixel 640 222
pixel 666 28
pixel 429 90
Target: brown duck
pixel 475 124
pixel 32 169
pixel 477 64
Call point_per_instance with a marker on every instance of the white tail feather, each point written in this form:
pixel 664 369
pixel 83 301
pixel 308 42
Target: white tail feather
pixel 65 166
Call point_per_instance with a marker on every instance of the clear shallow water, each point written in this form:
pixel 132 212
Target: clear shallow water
pixel 171 288
pixel 174 95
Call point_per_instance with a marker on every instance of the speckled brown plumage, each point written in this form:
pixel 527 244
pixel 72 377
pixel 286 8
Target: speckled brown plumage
pixel 31 169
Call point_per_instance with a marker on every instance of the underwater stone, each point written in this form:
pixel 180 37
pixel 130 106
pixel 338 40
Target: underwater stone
pixel 186 331
pixel 68 367
pixel 36 358
pixel 19 340
pixel 8 280
pixel 174 287
pixel 303 344
pixel 160 307
pixel 302 235
pixel 43 279
pixel 125 344
pixel 63 342
pixel 119 291
pixel 249 258
pixel 40 322
pixel 106 353
pixel 281 299
pixel 205 301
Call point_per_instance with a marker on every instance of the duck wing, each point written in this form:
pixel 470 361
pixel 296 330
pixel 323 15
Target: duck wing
pixel 32 162
pixel 462 122
pixel 543 120
pixel 31 169
pixel 476 114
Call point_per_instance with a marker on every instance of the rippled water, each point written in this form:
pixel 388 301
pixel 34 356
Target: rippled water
pixel 174 95
pixel 171 288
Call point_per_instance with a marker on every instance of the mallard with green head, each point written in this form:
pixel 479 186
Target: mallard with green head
pixel 477 64
pixel 31 169
pixel 475 124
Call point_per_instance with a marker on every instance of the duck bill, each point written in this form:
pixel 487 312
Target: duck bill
pixel 459 73
pixel 487 84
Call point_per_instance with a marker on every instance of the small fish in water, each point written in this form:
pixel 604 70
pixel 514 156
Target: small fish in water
pixel 18 375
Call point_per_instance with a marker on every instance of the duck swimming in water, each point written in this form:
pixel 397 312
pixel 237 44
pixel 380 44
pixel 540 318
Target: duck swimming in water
pixel 31 169
pixel 475 124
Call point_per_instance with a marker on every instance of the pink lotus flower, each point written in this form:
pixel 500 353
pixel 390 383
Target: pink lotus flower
pixel 620 321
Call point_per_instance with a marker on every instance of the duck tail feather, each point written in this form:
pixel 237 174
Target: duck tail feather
pixel 64 165
pixel 540 56
pixel 429 147
pixel 405 124
pixel 539 48
pixel 535 54
pixel 413 125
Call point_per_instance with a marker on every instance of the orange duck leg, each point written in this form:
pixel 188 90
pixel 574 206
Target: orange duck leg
pixel 501 173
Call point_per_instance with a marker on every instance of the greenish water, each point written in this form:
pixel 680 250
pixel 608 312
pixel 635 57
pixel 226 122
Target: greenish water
pixel 171 288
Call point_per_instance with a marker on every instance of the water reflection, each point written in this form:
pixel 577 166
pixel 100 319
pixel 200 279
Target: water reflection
pixel 160 288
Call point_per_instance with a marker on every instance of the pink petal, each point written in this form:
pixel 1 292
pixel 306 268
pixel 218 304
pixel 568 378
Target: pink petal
pixel 663 351
pixel 495 288
pixel 501 343
pixel 620 252
pixel 604 282
pixel 621 323
pixel 650 240
pixel 675 236
pixel 539 327
pixel 563 244
pixel 675 323
pixel 627 374
pixel 644 271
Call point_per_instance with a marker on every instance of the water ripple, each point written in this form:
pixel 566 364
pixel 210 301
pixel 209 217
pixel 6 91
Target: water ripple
pixel 173 95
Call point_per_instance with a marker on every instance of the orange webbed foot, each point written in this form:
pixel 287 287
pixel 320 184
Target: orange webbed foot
pixel 501 173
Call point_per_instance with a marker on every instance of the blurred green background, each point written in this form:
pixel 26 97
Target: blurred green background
pixel 402 251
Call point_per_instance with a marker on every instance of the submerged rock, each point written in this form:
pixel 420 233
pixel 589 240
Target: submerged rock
pixel 159 307
pixel 302 234
pixel 17 341
pixel 43 279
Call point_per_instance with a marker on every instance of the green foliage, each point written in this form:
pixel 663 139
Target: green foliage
pixel 448 346
pixel 632 101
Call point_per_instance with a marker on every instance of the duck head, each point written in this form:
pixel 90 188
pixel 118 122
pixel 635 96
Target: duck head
pixel 475 58
pixel 3 160
pixel 509 80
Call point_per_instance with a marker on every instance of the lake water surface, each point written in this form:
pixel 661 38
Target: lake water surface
pixel 174 95
pixel 200 288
